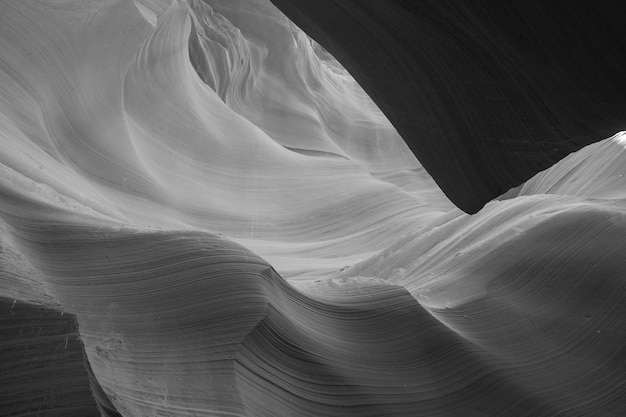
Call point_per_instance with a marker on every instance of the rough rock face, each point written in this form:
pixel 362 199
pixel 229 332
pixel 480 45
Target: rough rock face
pixel 203 214
pixel 485 93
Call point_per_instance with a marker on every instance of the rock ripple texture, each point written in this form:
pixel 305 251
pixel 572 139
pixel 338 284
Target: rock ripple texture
pixel 203 214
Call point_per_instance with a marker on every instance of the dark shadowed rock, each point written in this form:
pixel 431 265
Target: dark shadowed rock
pixel 486 94
pixel 42 368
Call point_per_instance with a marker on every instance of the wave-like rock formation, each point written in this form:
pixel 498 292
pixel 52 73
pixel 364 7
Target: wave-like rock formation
pixel 203 214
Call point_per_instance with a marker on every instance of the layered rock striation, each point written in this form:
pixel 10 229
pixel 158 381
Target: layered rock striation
pixel 203 214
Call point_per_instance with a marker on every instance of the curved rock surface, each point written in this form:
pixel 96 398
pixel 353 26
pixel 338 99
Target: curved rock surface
pixel 203 214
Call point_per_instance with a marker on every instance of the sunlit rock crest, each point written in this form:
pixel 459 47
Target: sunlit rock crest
pixel 202 214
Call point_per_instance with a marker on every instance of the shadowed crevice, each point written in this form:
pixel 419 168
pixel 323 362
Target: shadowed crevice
pixel 42 371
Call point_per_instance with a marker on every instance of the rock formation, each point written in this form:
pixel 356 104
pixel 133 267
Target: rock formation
pixel 203 214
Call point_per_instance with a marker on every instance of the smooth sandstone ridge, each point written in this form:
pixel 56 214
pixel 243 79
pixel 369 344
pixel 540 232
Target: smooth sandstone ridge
pixel 203 214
